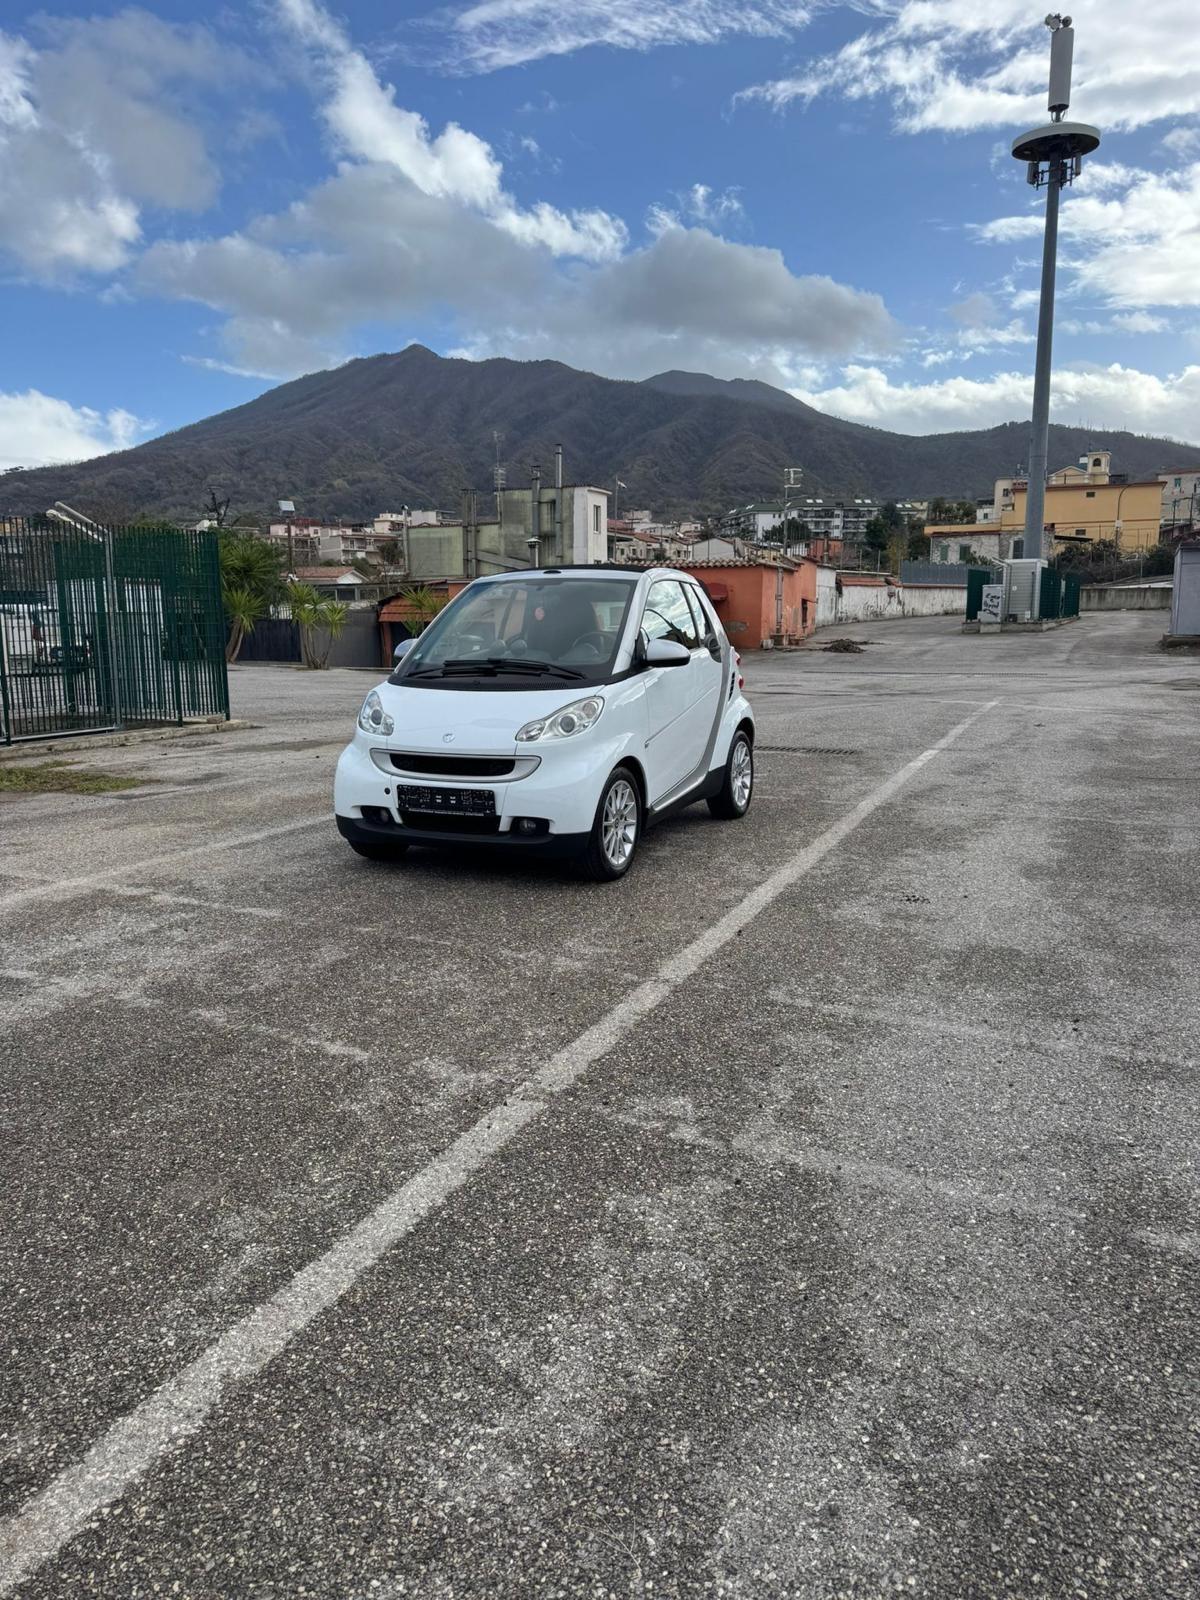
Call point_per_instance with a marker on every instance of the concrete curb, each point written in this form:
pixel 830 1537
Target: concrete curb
pixel 26 748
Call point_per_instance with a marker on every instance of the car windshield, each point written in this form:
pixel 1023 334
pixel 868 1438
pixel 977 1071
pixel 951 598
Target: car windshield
pixel 523 633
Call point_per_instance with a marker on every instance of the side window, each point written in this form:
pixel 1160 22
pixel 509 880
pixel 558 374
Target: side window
pixel 699 616
pixel 668 615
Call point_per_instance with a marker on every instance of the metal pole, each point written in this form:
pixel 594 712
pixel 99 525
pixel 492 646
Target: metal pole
pixel 1039 443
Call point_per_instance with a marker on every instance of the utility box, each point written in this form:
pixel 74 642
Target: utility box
pixel 1022 590
pixel 1185 595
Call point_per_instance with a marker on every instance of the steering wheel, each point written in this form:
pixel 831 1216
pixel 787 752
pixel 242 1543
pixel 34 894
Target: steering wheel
pixel 595 640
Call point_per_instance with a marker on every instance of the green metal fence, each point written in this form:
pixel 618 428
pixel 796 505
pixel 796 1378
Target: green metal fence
pixel 105 628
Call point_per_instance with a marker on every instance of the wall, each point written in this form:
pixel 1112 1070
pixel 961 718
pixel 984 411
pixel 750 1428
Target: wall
pixel 1138 597
pixel 827 597
pixel 746 600
pixel 865 602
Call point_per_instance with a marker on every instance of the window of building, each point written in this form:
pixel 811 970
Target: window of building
pixel 964 552
pixel 1081 533
pixel 595 519
pixel 1096 462
pixel 668 615
pixel 1090 494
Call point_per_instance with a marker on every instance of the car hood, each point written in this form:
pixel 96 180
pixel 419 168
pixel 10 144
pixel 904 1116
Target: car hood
pixel 481 721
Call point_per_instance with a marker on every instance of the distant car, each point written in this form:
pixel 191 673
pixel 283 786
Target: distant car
pixel 559 711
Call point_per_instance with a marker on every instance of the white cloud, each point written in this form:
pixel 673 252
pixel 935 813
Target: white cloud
pixel 90 134
pixel 491 34
pixel 1119 396
pixel 367 124
pixel 37 430
pixel 712 208
pixel 960 64
pixel 1183 142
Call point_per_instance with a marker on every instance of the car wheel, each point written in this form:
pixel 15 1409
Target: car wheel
pixel 379 852
pixel 617 829
pixel 737 787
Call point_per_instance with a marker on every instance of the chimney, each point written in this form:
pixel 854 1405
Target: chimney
pixel 558 466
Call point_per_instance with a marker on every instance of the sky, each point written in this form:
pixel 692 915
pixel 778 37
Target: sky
pixel 199 201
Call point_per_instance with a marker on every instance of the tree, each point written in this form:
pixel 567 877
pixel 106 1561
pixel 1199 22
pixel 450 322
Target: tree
pixel 251 582
pixel 320 620
pixel 892 517
pixel 216 510
pixel 243 608
pixel 875 534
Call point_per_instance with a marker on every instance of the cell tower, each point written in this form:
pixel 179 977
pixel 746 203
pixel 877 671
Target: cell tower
pixel 1053 157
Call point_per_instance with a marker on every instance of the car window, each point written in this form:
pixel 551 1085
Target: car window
pixel 668 615
pixel 517 631
pixel 703 623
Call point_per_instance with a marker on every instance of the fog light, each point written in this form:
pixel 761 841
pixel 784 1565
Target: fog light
pixel 527 825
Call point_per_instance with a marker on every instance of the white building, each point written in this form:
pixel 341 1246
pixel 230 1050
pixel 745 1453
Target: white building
pixel 408 517
pixel 1181 498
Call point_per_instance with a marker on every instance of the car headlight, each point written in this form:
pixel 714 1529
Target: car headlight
pixel 575 718
pixel 373 718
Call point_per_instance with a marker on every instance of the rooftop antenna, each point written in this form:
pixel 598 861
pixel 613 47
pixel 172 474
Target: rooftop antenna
pixel 1053 157
pixel 499 473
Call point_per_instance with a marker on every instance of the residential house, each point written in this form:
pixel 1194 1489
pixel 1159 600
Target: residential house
pixel 975 543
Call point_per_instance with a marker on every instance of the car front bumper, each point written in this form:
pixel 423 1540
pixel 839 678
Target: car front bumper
pixel 560 794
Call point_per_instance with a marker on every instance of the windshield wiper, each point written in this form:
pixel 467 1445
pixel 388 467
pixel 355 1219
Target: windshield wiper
pixel 490 666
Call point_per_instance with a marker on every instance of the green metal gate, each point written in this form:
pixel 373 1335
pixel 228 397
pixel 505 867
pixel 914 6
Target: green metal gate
pixel 106 628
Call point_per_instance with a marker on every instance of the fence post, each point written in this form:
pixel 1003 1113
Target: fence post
pixel 111 624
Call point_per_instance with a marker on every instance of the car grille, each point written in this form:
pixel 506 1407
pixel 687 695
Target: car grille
pixel 453 766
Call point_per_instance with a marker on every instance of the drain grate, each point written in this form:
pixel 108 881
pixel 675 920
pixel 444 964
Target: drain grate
pixel 809 749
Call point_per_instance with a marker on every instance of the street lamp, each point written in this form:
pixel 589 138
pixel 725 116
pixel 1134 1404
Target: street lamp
pixel 287 508
pixel 793 477
pixel 1053 157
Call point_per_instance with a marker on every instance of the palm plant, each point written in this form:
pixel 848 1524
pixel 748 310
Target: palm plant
pixel 243 608
pixel 251 582
pixel 425 602
pixel 320 621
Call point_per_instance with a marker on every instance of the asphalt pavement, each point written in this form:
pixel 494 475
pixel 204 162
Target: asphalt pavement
pixel 812 1213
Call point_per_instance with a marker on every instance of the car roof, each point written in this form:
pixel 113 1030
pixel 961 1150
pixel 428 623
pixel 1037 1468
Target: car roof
pixel 584 570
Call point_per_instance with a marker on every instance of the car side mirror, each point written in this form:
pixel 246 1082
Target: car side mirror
pixel 401 650
pixel 667 653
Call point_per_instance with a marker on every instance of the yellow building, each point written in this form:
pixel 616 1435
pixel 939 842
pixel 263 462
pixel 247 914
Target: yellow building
pixel 1087 503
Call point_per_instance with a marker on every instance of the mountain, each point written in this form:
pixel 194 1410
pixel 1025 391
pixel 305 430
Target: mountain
pixel 416 428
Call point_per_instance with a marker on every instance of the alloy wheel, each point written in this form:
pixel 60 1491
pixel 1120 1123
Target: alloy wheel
pixel 619 824
pixel 742 774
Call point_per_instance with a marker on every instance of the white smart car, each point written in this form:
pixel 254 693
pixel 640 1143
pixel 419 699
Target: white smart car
pixel 560 711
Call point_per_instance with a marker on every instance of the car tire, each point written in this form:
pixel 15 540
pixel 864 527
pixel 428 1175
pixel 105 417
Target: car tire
pixel 379 852
pixel 737 786
pixel 617 830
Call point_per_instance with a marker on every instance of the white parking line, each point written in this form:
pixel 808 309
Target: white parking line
pixel 56 887
pixel 181 1406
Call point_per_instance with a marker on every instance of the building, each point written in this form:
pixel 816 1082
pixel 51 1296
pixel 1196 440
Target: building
pixel 1180 499
pixel 761 604
pixel 975 543
pixel 308 541
pixel 393 522
pixel 645 542
pixel 338 583
pixel 499 531
pixel 1088 504
pixel 841 521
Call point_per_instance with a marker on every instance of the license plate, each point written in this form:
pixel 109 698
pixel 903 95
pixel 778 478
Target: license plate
pixel 446 802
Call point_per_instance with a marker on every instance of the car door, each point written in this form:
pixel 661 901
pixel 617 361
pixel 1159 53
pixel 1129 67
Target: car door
pixel 710 663
pixel 674 695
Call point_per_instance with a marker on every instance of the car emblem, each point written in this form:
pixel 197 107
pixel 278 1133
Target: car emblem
pixel 447 738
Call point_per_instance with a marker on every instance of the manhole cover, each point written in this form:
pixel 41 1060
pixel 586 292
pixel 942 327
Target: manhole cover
pixel 809 749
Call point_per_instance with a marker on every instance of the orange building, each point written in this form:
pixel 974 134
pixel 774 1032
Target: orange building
pixel 756 601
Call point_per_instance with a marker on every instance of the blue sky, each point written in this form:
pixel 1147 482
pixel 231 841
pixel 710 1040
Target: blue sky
pixel 198 201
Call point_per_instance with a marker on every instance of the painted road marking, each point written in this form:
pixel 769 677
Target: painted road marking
pixel 181 1406
pixel 69 886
